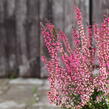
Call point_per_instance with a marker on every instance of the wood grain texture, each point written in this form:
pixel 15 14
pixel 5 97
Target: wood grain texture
pixel 100 10
pixel 21 45
pixel 3 57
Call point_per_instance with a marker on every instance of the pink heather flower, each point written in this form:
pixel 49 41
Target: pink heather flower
pixel 74 74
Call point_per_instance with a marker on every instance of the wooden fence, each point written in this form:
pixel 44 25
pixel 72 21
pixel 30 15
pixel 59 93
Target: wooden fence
pixel 20 43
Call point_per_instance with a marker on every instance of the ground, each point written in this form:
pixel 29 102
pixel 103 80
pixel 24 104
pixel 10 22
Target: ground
pixel 24 94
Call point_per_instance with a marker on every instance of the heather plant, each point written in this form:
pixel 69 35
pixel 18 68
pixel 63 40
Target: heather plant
pixel 78 76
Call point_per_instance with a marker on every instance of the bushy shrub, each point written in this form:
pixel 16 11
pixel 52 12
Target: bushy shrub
pixel 78 76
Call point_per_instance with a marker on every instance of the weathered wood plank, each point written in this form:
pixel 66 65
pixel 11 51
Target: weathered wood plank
pixel 43 50
pixel 58 13
pixel 10 30
pixel 100 10
pixel 21 11
pixel 33 36
pixel 10 8
pixel 3 61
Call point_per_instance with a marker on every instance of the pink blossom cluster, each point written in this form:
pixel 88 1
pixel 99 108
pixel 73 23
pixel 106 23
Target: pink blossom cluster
pixel 74 73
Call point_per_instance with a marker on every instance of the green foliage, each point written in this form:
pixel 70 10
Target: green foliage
pixel 93 104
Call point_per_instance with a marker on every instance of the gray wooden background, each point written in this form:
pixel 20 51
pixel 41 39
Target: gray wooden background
pixel 20 42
